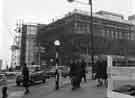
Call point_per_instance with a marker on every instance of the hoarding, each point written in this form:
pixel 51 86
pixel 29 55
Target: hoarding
pixel 121 80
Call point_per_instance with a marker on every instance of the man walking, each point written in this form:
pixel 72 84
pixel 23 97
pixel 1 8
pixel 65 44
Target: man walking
pixel 104 77
pixel 72 74
pixel 25 73
pixel 83 67
pixel 99 72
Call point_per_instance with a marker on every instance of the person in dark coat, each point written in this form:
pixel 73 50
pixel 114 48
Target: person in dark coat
pixel 104 75
pixel 99 72
pixel 25 73
pixel 57 76
pixel 83 67
pixel 79 72
pixel 4 92
pixel 75 74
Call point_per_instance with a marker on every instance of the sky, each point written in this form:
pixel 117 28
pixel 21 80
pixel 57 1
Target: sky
pixel 43 11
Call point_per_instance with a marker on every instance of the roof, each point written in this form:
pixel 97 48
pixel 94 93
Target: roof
pixel 97 15
pixel 110 13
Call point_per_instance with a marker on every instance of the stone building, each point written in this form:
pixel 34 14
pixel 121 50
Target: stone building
pixel 112 34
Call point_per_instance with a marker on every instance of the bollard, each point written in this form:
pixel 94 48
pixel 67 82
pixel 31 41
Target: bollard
pixel 57 80
pixel 4 92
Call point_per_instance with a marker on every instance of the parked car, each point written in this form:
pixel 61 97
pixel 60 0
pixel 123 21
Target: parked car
pixel 51 72
pixel 62 69
pixel 2 79
pixel 10 74
pixel 34 77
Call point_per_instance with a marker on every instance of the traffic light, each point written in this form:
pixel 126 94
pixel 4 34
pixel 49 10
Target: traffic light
pixel 70 0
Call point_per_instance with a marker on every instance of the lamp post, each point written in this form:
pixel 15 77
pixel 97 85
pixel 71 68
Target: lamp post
pixel 92 39
pixel 91 31
pixel 57 44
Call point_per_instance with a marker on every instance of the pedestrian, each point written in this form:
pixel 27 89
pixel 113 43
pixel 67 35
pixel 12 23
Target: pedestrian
pixel 104 75
pixel 99 73
pixel 57 76
pixel 4 92
pixel 78 73
pixel 5 88
pixel 83 67
pixel 25 73
pixel 75 74
pixel 72 73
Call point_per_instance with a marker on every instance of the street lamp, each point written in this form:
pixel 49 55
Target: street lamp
pixel 91 30
pixel 57 44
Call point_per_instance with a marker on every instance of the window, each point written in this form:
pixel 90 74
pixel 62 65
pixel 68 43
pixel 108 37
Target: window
pixel 88 28
pixel 120 35
pixel 124 35
pixel 108 33
pixel 133 36
pixel 128 35
pixel 103 33
pixel 116 35
pixel 112 33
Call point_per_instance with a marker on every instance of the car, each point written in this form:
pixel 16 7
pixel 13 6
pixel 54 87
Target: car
pixel 2 79
pixel 51 72
pixel 34 77
pixel 62 69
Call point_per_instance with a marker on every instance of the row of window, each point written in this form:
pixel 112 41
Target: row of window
pixel 97 20
pixel 105 32
pixel 118 34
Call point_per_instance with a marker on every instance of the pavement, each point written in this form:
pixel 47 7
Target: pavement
pixel 87 90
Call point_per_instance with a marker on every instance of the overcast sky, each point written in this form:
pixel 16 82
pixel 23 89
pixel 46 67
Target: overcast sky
pixel 42 11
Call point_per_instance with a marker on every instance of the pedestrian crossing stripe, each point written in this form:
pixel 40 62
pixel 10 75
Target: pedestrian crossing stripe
pixel 17 93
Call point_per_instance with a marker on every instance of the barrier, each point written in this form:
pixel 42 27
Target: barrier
pixel 121 81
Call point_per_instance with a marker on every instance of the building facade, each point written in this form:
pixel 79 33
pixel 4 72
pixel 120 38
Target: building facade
pixel 112 34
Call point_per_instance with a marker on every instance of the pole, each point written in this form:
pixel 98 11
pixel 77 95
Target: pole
pixel 57 71
pixel 56 58
pixel 91 30
pixel 39 53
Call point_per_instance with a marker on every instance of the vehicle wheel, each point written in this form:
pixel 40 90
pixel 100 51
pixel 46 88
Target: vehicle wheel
pixel 18 83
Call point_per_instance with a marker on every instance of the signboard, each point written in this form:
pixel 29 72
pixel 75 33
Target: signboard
pixel 121 80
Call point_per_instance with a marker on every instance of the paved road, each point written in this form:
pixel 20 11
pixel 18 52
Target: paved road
pixel 87 90
pixel 38 88
pixel 46 90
